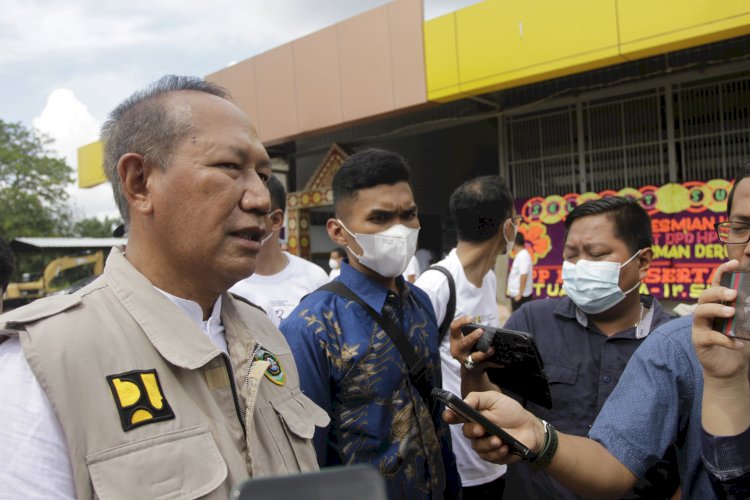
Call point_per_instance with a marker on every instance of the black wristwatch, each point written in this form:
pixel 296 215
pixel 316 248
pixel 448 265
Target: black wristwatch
pixel 544 457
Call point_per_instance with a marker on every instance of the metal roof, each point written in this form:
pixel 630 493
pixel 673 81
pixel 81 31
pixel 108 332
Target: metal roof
pixel 35 244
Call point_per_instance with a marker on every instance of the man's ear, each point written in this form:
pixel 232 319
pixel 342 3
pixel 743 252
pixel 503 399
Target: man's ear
pixel 135 175
pixel 644 262
pixel 276 217
pixel 336 232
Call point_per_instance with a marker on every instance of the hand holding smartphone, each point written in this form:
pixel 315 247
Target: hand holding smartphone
pixel 463 410
pixel 522 371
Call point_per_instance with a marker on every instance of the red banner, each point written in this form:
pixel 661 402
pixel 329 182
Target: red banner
pixel 686 247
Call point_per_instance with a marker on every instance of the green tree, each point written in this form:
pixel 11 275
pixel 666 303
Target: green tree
pixel 95 228
pixel 33 200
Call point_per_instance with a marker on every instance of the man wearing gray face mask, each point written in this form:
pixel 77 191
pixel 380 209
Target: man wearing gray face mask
pixel 366 343
pixel 587 338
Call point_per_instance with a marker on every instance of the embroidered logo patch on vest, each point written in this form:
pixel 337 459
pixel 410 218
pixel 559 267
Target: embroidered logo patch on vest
pixel 139 398
pixel 274 373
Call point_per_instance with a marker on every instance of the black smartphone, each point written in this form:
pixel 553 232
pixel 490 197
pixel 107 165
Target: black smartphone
pixel 738 325
pixel 522 371
pixel 460 408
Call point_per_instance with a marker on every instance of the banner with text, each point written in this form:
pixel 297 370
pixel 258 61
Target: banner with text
pixel 686 247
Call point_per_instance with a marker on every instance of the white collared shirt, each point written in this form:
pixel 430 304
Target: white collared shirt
pixel 34 458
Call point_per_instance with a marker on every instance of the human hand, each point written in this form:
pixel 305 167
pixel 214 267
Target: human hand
pixel 463 345
pixel 722 357
pixel 517 298
pixel 506 413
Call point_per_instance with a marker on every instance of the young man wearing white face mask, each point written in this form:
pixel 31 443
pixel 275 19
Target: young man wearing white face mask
pixel 587 338
pixel 368 353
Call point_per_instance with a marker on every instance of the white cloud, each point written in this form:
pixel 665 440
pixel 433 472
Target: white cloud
pixel 103 51
pixel 68 123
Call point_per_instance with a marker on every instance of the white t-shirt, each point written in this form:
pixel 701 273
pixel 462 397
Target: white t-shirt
pixel 334 273
pixel 29 423
pixel 481 305
pixel 521 265
pixel 278 294
pixel 412 268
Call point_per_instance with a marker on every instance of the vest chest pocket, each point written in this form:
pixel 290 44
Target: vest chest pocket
pixel 182 464
pixel 283 436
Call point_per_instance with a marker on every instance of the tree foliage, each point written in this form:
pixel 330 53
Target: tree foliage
pixel 95 228
pixel 33 200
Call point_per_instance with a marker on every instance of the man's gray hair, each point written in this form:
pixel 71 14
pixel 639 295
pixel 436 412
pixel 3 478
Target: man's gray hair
pixel 144 124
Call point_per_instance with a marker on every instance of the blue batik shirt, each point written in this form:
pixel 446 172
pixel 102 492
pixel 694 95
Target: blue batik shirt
pixel 349 366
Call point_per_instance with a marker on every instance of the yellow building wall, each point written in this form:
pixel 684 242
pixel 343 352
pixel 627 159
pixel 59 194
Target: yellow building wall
pixel 497 44
pixel 91 165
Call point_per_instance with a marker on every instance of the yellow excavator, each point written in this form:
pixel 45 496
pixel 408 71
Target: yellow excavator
pixel 58 275
pixel 62 274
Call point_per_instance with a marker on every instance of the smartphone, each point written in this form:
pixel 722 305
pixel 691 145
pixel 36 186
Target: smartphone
pixel 738 325
pixel 460 408
pixel 522 371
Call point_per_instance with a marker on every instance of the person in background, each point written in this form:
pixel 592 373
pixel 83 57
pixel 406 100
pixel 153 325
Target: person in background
pixel 725 417
pixel 520 278
pixel 352 365
pixel 587 338
pixel 482 212
pixel 7 264
pixel 424 258
pixel 337 256
pixel 658 402
pixel 411 273
pixel 152 381
pixel 280 279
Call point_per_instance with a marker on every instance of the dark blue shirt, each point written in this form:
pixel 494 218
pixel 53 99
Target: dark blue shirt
pixel 727 461
pixel 583 366
pixel 349 366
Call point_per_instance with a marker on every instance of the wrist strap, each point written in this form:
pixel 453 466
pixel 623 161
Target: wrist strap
pixel 544 457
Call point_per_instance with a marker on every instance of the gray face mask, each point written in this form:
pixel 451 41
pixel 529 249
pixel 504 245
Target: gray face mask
pixel 387 252
pixel 594 286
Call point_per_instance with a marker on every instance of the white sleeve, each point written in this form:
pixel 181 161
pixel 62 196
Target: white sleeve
pixel 34 461
pixel 412 268
pixel 435 285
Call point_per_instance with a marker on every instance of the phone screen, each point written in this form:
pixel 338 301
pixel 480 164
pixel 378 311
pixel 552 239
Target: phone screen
pixel 739 325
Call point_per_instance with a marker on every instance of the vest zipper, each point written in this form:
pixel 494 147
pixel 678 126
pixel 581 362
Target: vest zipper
pixel 249 367
pixel 235 395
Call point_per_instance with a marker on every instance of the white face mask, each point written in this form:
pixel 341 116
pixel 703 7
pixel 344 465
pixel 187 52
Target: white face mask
pixel 388 252
pixel 333 263
pixel 510 242
pixel 594 286
pixel 266 238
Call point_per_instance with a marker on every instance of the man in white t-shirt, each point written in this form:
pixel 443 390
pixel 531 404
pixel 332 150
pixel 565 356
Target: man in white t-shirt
pixel 280 279
pixel 520 282
pixel 411 273
pixel 482 210
pixel 337 256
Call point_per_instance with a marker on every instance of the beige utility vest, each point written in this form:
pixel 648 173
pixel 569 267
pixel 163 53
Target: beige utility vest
pixel 146 400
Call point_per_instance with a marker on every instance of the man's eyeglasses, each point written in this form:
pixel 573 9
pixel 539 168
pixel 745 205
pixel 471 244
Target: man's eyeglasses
pixel 733 233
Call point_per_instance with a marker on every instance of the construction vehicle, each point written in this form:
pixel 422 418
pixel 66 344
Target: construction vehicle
pixel 85 262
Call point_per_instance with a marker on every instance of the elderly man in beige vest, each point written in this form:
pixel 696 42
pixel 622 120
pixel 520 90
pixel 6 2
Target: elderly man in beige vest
pixel 152 381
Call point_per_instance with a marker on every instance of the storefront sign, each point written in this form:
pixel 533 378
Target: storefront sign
pixel 686 247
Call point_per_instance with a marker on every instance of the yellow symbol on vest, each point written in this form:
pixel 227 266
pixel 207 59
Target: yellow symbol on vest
pixel 139 398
